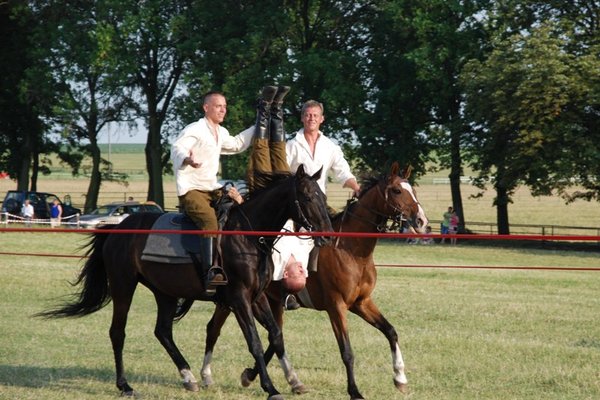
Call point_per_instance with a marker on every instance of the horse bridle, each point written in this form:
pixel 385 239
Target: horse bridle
pixel 396 211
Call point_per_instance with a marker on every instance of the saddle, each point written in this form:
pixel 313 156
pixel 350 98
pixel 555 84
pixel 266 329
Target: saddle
pixel 173 248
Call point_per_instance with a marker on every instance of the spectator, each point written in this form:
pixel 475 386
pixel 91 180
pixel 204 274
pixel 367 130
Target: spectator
pixel 427 240
pixel 27 212
pixel 445 227
pixel 55 214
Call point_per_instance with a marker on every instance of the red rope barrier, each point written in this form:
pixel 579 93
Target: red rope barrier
pixel 490 267
pixel 591 238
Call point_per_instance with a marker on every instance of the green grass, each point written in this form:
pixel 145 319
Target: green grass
pixel 465 334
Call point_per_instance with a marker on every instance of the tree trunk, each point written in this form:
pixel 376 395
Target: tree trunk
pixel 91 199
pixel 455 174
pixel 154 162
pixel 502 201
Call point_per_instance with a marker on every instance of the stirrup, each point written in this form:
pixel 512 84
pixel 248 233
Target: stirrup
pixel 216 276
pixel 290 303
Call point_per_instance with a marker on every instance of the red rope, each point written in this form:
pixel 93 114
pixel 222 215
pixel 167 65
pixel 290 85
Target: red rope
pixel 592 238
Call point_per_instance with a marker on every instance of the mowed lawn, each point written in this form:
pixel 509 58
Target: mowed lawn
pixel 465 334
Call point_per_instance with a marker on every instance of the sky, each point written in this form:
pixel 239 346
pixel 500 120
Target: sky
pixel 121 133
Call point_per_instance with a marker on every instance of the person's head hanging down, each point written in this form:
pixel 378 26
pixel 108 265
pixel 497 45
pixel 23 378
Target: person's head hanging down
pixel 294 276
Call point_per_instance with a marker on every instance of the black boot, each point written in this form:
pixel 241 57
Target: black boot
pixel 262 112
pixel 277 132
pixel 214 275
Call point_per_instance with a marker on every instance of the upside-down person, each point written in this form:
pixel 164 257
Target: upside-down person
pixel 291 253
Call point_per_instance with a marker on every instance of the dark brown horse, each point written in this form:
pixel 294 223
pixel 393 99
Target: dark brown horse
pixel 115 267
pixel 345 279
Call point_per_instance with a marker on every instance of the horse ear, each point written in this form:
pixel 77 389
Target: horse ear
pixel 300 173
pixel 395 169
pixel 407 171
pixel 317 174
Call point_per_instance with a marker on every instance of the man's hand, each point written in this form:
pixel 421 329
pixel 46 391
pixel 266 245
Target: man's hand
pixel 235 195
pixel 192 161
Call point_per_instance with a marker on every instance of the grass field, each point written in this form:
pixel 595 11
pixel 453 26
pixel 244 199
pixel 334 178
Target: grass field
pixel 465 334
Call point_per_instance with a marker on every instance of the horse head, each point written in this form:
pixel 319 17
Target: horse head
pixel 311 205
pixel 401 198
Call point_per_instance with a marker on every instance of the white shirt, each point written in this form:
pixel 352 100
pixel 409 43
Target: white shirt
pixel 298 246
pixel 327 155
pixel 197 137
pixel 27 210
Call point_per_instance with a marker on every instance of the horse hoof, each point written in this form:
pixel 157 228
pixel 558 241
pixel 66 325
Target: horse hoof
pixel 191 386
pixel 207 381
pixel 129 393
pixel 299 389
pixel 275 397
pixel 245 378
pixel 402 387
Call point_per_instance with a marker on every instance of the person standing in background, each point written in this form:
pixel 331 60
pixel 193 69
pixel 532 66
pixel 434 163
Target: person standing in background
pixel 55 214
pixel 27 212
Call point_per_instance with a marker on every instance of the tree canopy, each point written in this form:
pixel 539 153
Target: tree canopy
pixel 508 88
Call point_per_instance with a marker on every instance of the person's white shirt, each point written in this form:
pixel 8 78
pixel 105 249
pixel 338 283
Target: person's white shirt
pixel 288 245
pixel 327 155
pixel 198 139
pixel 27 210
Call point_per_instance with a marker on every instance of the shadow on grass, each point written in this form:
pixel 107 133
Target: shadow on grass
pixel 28 376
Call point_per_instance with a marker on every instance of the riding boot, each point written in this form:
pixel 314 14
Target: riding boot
pixel 214 275
pixel 260 162
pixel 277 152
pixel 262 112
pixel 277 132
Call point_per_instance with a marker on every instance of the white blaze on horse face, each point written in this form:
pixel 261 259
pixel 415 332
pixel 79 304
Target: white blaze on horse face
pixel 406 186
pixel 420 218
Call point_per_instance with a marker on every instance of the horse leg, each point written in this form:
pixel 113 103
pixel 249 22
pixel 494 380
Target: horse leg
pixel 213 330
pixel 121 304
pixel 167 306
pixel 339 323
pixel 245 318
pixel 250 374
pixel 368 310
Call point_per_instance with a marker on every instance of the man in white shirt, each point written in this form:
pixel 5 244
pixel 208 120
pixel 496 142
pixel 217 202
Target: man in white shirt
pixel 315 150
pixel 27 212
pixel 195 155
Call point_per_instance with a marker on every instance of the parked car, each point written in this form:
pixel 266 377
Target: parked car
pixel 41 202
pixel 114 213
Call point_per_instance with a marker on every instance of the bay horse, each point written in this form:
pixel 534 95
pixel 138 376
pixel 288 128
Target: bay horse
pixel 115 267
pixel 345 279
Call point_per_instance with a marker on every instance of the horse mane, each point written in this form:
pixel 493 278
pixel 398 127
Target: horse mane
pixel 265 181
pixel 368 183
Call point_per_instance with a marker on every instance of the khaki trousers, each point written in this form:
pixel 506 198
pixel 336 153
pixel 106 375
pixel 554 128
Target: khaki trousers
pixel 196 204
pixel 266 157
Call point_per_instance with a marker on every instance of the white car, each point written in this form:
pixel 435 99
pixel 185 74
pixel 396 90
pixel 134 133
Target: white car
pixel 114 213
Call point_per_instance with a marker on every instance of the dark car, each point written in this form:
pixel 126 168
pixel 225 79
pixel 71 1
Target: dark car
pixel 40 201
pixel 114 213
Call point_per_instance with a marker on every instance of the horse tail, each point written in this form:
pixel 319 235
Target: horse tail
pixel 94 293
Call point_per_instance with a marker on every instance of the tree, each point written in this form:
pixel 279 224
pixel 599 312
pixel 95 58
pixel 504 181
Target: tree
pixel 22 102
pixel 88 97
pixel 149 45
pixel 524 102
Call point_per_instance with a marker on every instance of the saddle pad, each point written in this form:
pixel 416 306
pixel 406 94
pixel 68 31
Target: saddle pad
pixel 171 248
